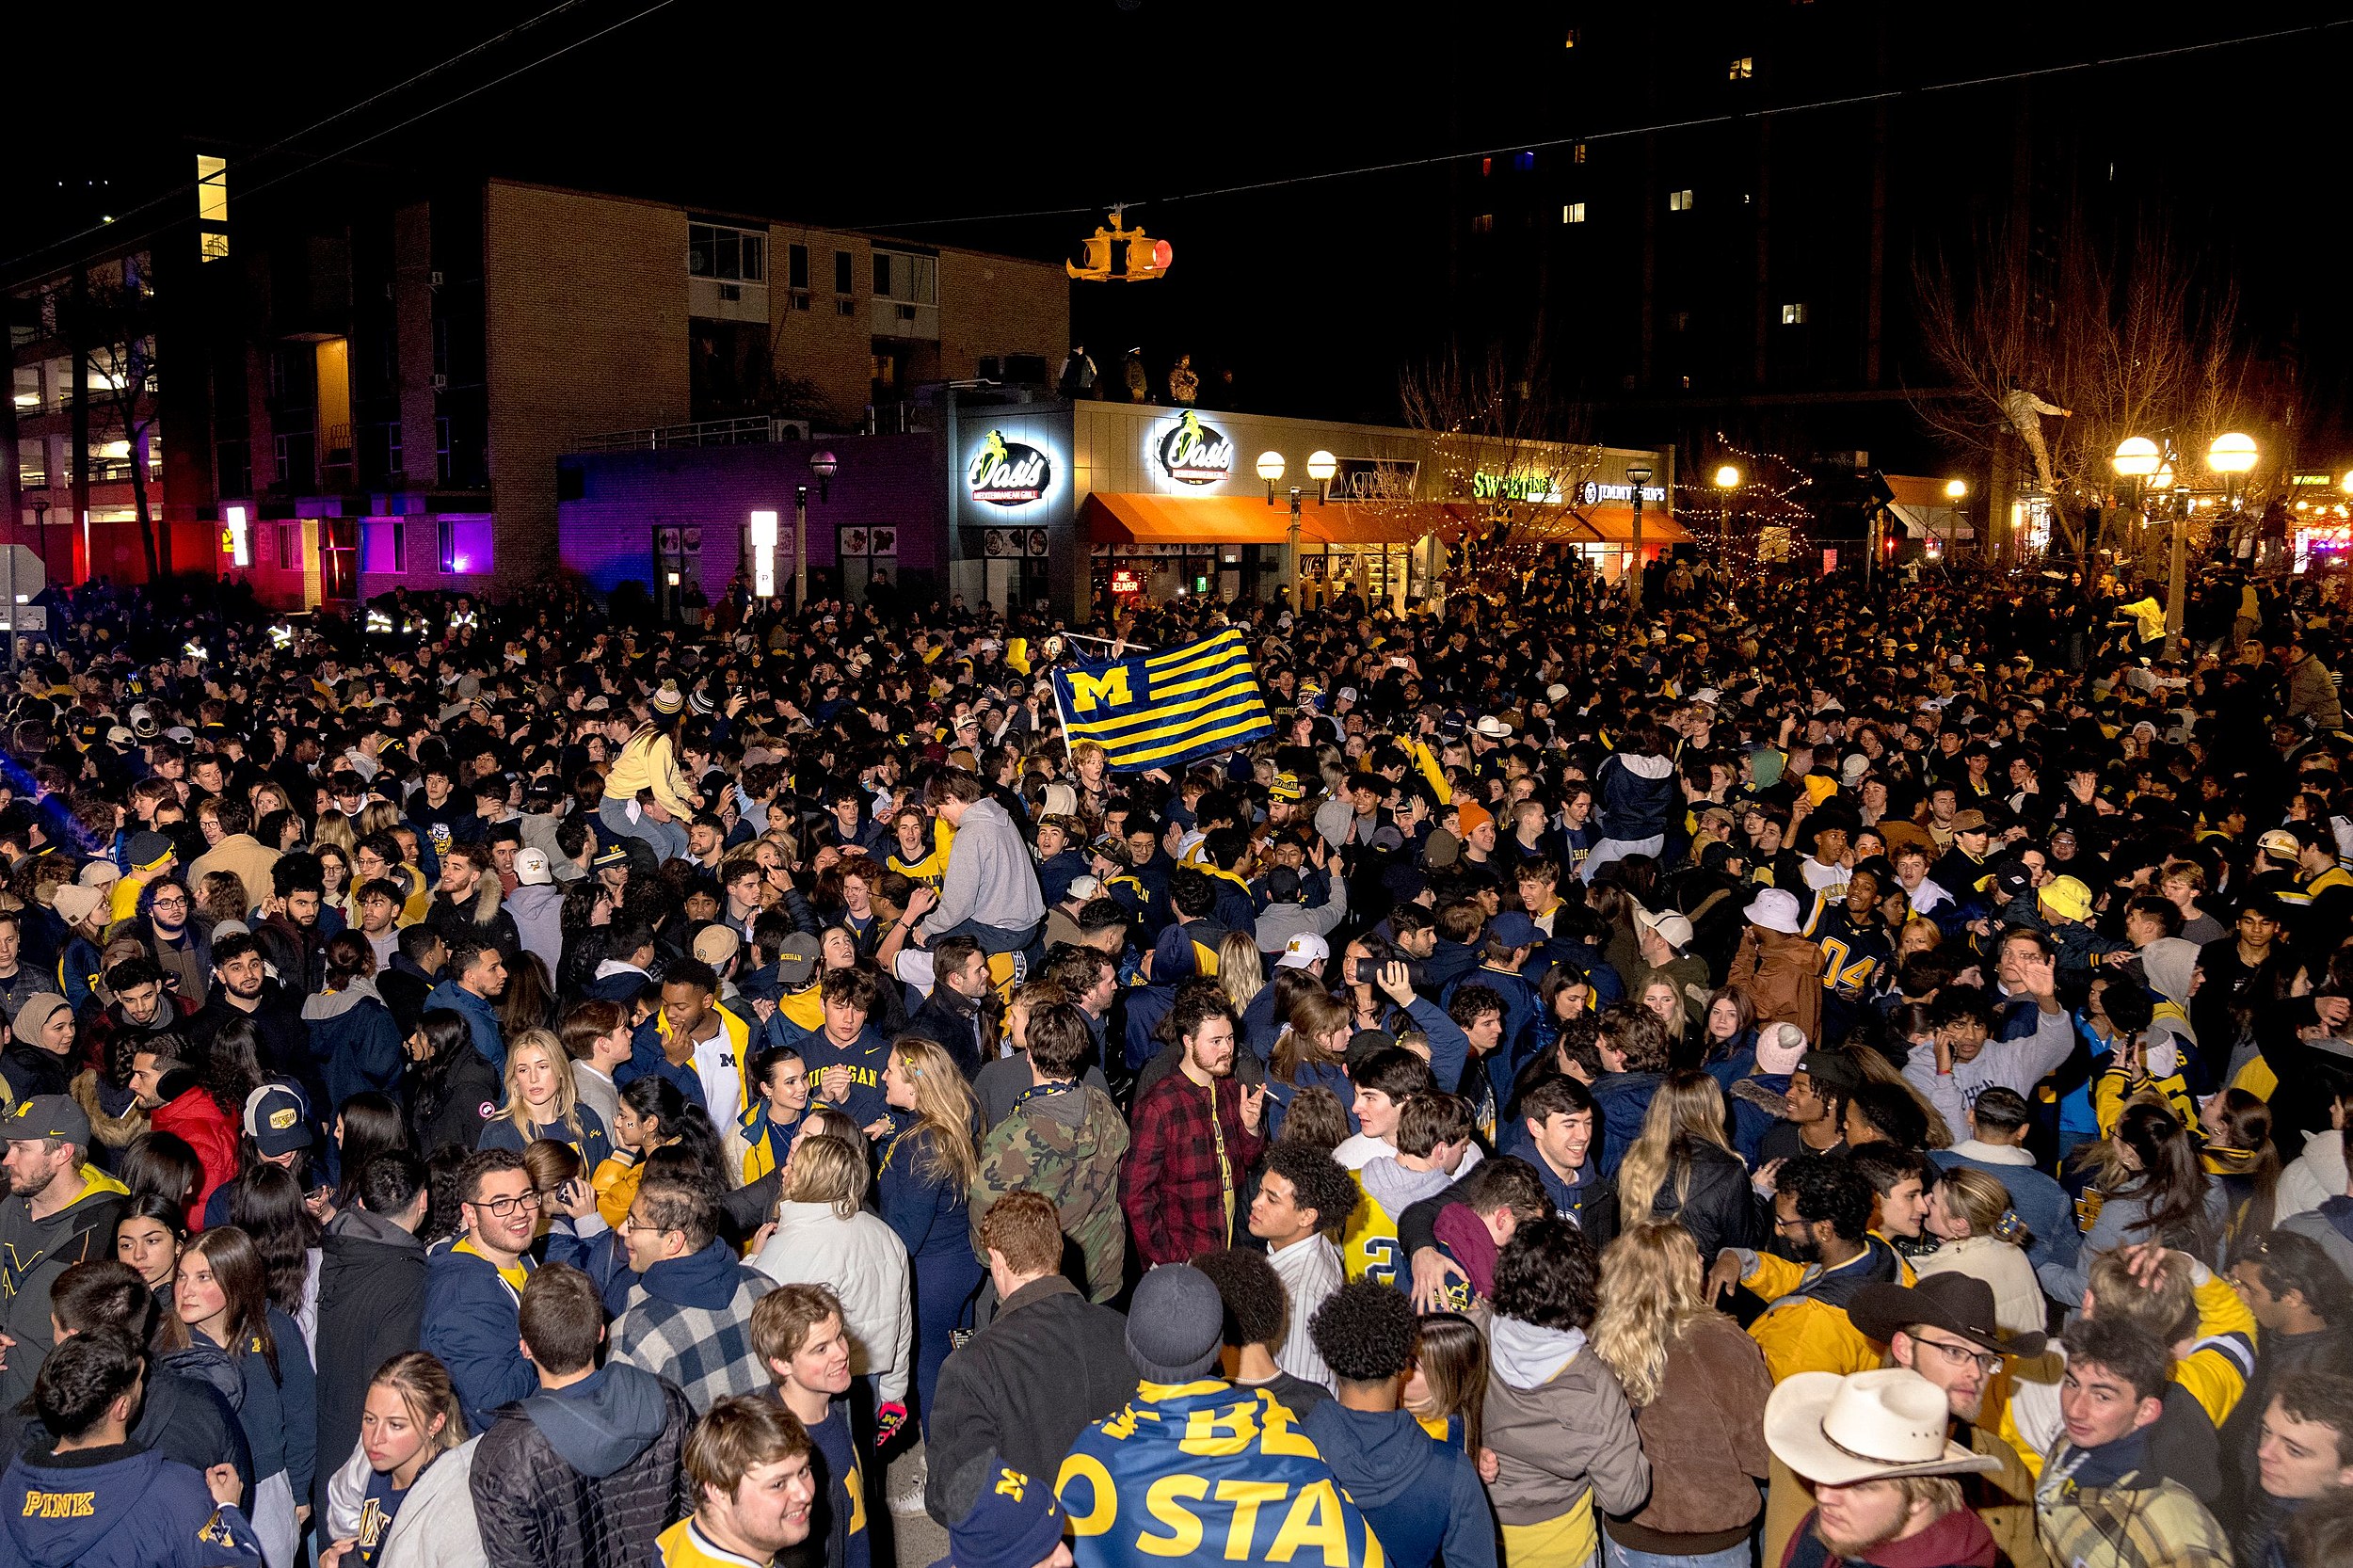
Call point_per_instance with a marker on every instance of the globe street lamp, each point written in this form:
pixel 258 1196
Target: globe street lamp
pixel 1956 491
pixel 1727 480
pixel 824 465
pixel 1321 466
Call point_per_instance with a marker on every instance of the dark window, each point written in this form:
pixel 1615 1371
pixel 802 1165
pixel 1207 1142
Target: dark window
pixel 882 275
pixel 842 265
pixel 796 266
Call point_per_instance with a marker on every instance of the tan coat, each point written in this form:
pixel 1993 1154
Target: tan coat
pixel 243 853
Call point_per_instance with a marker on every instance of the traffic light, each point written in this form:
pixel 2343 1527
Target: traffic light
pixel 1145 258
pixel 1098 263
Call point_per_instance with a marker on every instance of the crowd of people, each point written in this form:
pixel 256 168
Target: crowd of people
pixel 1806 1073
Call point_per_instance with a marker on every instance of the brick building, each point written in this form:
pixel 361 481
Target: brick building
pixel 368 386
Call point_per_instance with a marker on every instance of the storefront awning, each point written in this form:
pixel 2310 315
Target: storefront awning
pixel 1614 525
pixel 1209 520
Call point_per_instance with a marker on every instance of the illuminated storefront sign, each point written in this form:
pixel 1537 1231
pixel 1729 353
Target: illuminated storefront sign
pixel 1593 492
pixel 1007 474
pixel 1543 489
pixel 1196 453
pixel 1125 582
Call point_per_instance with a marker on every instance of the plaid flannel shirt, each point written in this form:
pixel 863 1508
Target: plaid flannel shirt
pixel 1172 1186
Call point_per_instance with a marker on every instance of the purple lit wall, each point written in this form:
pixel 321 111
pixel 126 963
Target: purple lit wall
pixel 613 501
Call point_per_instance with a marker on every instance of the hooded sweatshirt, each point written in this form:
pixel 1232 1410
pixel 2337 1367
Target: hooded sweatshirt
pixel 689 1319
pixel 38 1251
pixel 619 1432
pixel 354 1040
pixel 118 1507
pixel 990 880
pixel 1421 1496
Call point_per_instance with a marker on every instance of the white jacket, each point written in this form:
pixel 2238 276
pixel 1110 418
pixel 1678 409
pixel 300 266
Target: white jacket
pixel 865 1264
pixel 435 1527
pixel 2018 1305
pixel 2312 1178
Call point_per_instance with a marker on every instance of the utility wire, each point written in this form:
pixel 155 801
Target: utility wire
pixel 1697 122
pixel 181 192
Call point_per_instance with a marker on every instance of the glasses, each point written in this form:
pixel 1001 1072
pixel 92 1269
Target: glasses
pixel 631 1223
pixel 171 903
pixel 502 1208
pixel 1955 1356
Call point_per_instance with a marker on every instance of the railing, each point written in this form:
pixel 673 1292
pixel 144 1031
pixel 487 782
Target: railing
pixel 756 430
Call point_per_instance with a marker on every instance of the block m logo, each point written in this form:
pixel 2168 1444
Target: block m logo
pixel 1107 690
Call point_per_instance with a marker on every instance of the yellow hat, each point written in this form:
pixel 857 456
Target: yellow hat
pixel 2067 897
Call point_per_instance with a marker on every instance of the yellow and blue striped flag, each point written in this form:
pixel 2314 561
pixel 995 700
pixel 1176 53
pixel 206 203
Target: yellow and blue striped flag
pixel 1167 708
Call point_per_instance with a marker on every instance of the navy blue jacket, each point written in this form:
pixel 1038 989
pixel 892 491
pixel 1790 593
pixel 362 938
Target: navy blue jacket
pixel 482 1019
pixel 118 1507
pixel 1419 1496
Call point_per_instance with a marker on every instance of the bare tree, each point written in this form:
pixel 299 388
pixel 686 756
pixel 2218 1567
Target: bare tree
pixel 113 332
pixel 1496 435
pixel 2065 349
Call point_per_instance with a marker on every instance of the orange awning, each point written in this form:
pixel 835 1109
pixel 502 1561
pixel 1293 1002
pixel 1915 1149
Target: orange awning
pixel 1133 518
pixel 1614 525
pixel 1917 490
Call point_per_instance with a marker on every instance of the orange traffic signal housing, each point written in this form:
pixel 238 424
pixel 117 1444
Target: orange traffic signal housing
pixel 1146 259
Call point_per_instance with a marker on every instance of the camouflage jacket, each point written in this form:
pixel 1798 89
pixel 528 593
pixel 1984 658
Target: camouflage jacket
pixel 1068 1146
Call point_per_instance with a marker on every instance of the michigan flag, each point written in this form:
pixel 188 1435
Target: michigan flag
pixel 1163 710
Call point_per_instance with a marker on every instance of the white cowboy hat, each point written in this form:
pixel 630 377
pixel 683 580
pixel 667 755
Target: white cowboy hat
pixel 1868 1425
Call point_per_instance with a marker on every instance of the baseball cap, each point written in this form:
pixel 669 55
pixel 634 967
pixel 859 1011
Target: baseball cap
pixel 1969 821
pixel 716 945
pixel 99 874
pixel 1512 929
pixel 531 868
pixel 797 960
pixel 50 1116
pixel 274 1120
pixel 1302 950
pixel 1672 928
pixel 1832 1070
pixel 2278 840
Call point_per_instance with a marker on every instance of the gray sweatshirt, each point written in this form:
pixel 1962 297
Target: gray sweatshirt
pixel 990 879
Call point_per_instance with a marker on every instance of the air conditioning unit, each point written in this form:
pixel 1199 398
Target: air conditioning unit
pixel 441 383
pixel 433 279
pixel 730 292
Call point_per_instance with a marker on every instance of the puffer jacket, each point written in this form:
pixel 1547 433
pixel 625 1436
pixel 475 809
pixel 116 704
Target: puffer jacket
pixel 1069 1147
pixel 1638 794
pixel 1703 1433
pixel 354 1040
pixel 587 1477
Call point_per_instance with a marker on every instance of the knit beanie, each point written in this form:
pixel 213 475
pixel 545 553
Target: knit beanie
pixel 1175 1324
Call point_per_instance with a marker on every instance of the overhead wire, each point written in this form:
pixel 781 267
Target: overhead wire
pixel 110 227
pixel 1654 128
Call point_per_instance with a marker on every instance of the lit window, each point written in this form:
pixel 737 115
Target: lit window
pixel 1577 153
pixel 1523 162
pixel 1680 321
pixel 1486 167
pixel 1573 212
pixel 1743 69
pixel 1484 224
pixel 1680 200
pixel 1573 38
pixel 211 207
pixel 1793 315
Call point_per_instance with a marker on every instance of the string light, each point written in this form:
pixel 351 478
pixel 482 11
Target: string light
pixel 1766 501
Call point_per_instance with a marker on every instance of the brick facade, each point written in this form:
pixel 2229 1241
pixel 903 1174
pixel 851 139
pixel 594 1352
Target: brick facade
pixel 586 307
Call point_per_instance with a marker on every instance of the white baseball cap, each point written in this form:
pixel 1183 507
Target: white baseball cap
pixel 530 868
pixel 1302 950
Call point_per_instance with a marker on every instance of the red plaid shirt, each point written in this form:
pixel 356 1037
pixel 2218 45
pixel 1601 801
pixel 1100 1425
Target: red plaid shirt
pixel 1174 1187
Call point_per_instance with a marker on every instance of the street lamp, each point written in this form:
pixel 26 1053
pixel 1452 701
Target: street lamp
pixel 1321 466
pixel 1956 491
pixel 1727 479
pixel 824 465
pixel 1637 476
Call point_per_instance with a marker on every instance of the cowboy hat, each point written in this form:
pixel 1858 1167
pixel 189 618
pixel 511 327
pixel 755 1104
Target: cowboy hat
pixel 1868 1426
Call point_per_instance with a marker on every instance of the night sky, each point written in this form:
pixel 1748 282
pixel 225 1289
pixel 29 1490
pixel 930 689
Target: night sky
pixel 894 117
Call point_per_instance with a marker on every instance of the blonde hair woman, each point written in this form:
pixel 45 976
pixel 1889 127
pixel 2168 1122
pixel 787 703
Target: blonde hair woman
pixel 823 1236
pixel 542 1103
pixel 1682 1169
pixel 1969 1212
pixel 929 1164
pixel 1241 969
pixel 403 1499
pixel 1698 1385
